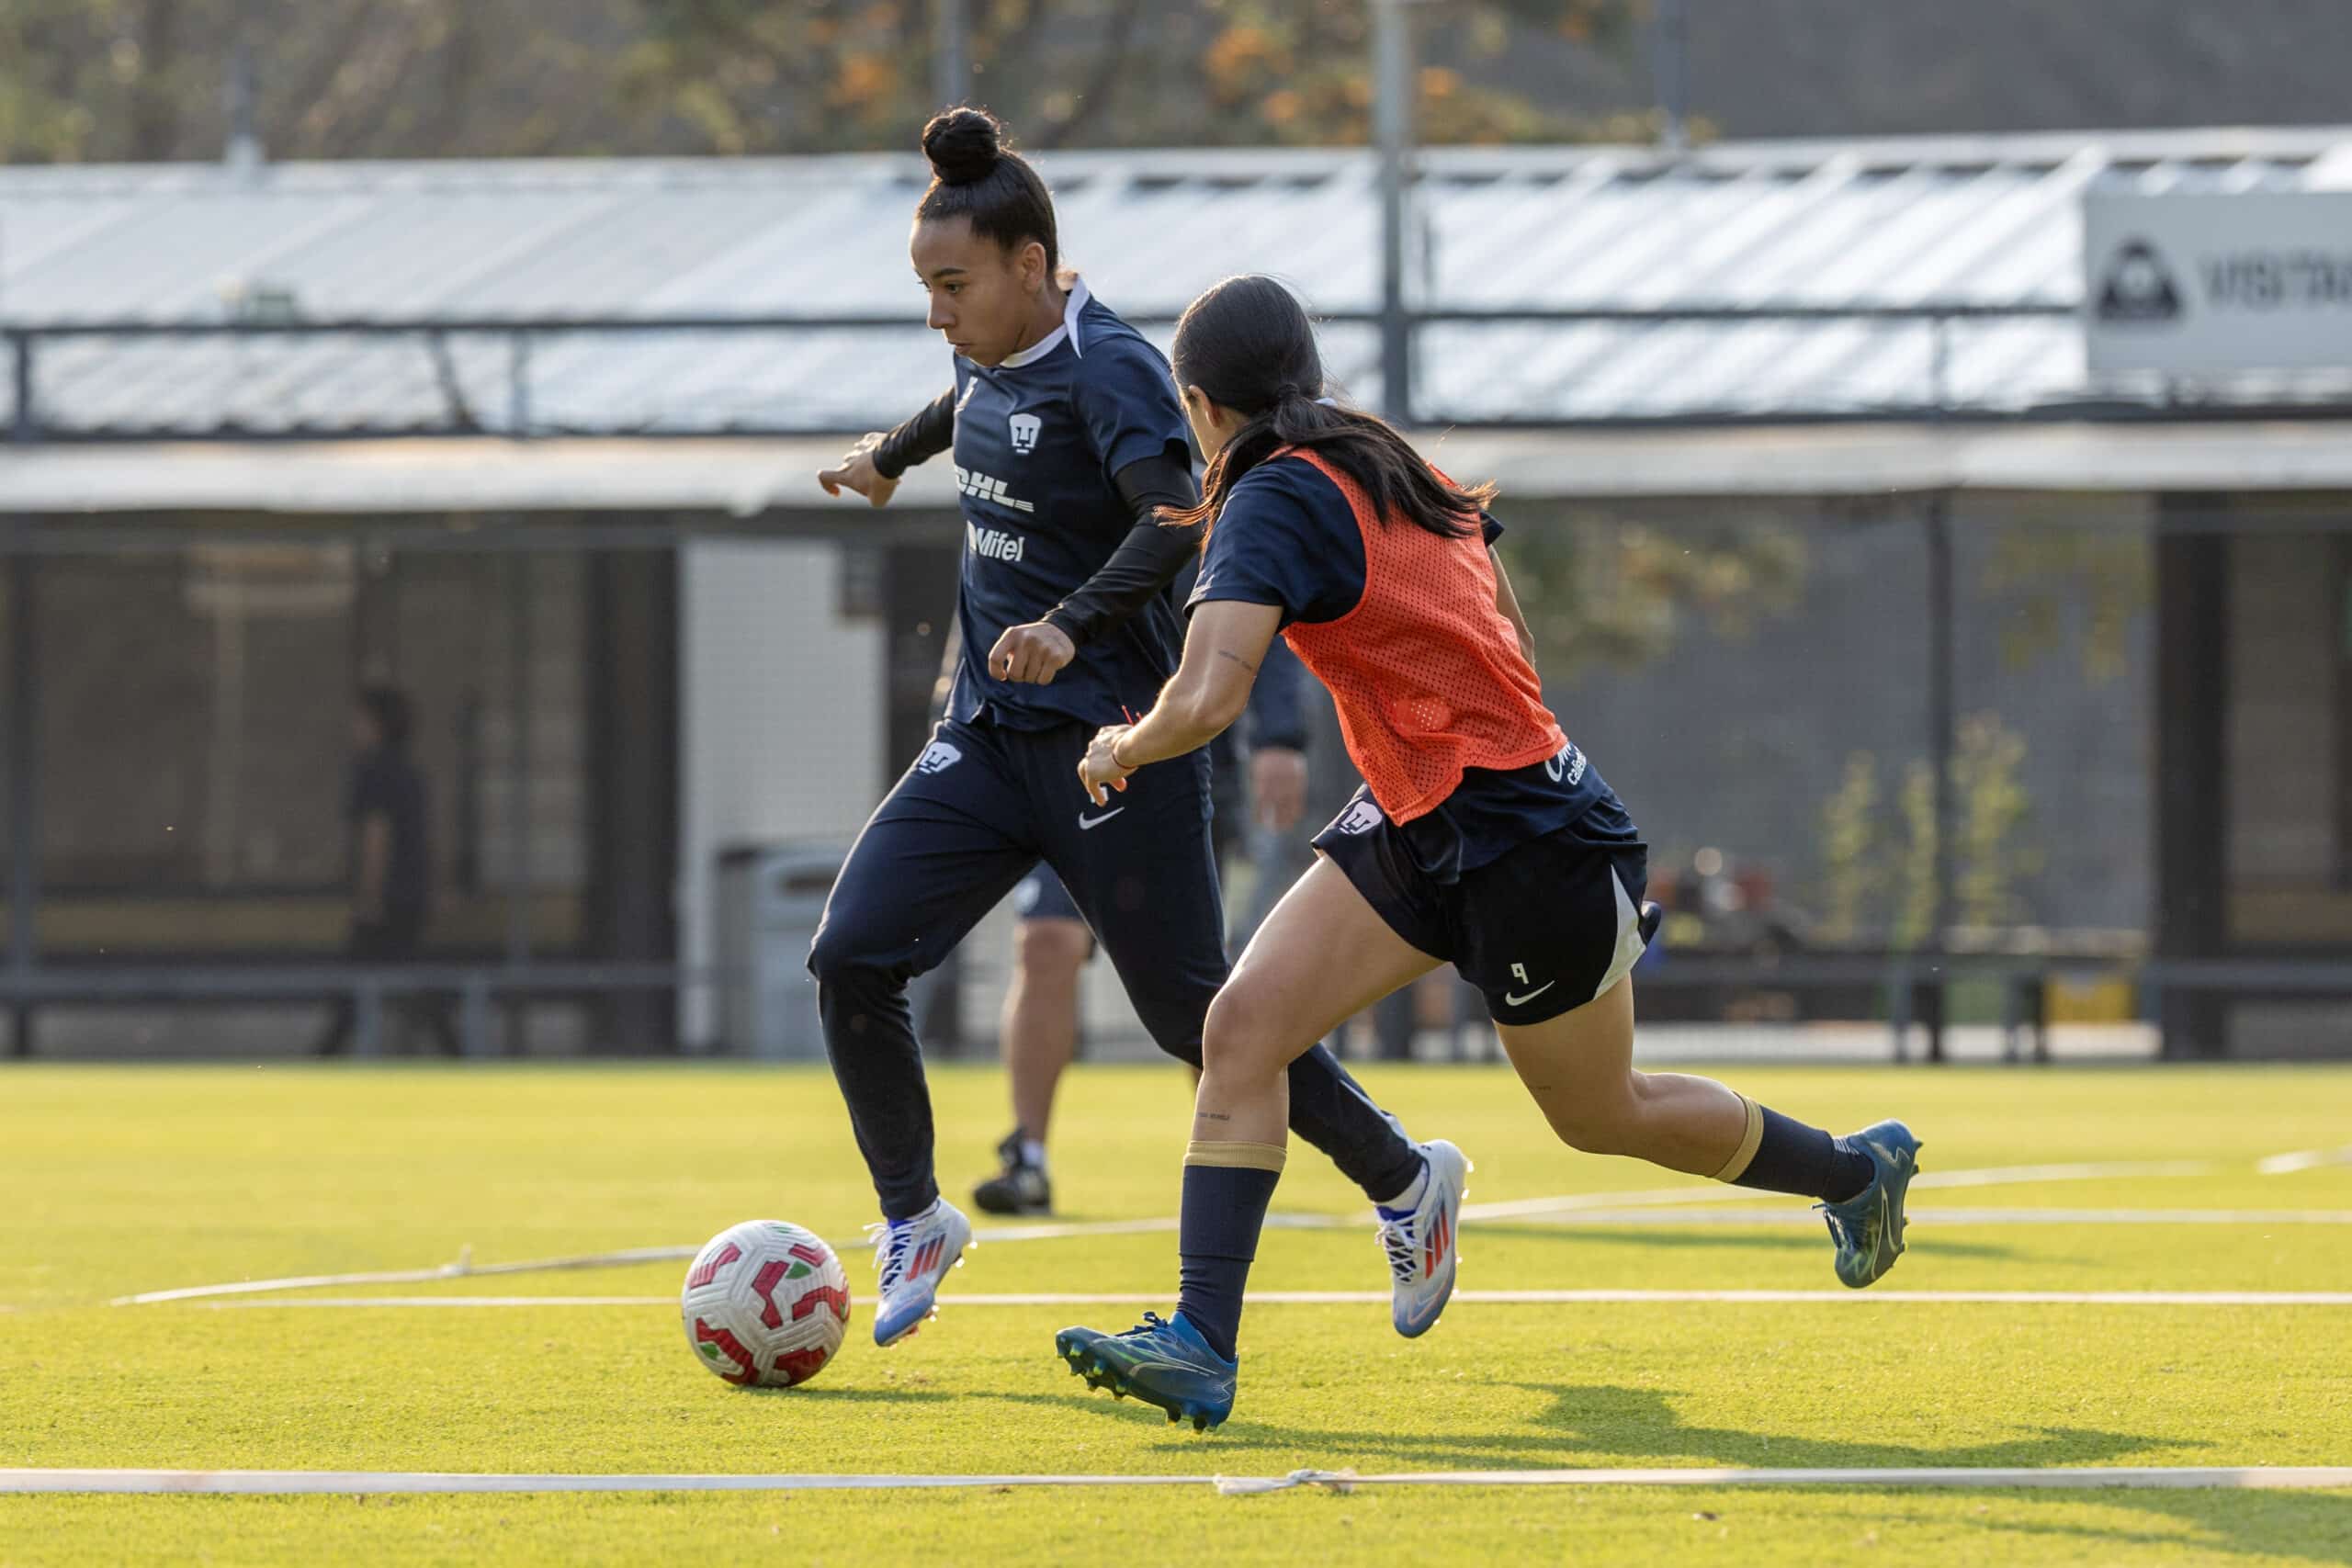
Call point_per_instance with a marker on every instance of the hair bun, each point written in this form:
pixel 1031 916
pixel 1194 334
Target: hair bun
pixel 963 144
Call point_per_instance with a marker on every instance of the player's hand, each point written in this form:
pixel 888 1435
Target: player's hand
pixel 1277 786
pixel 856 471
pixel 1033 653
pixel 1099 770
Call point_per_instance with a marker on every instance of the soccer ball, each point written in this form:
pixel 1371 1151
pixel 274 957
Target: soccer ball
pixel 766 1305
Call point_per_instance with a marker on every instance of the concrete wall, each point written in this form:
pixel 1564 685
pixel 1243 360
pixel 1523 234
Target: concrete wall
pixel 782 714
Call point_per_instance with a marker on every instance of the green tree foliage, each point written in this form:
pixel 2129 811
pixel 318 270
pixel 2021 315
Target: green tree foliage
pixel 1879 876
pixel 1605 588
pixel 101 81
pixel 2054 577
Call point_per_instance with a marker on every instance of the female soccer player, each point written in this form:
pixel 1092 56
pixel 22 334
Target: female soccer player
pixel 1067 440
pixel 1482 837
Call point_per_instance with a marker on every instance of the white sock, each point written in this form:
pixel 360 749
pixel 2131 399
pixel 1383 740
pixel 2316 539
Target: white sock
pixel 1412 1195
pixel 1032 1152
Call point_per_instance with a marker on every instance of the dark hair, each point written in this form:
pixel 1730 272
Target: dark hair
pixel 1246 344
pixel 387 708
pixel 974 175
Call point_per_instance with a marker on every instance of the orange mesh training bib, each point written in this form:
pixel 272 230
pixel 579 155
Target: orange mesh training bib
pixel 1426 671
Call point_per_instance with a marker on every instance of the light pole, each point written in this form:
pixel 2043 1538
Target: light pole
pixel 951 47
pixel 1392 108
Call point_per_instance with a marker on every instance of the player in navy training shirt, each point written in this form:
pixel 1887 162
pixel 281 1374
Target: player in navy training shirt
pixel 1067 440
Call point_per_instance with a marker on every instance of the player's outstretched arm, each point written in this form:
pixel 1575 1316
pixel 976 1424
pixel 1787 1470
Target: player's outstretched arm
pixel 1224 647
pixel 874 465
pixel 1147 560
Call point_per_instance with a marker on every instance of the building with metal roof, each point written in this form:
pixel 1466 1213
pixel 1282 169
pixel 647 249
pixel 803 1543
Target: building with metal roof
pixel 1552 286
pixel 214 377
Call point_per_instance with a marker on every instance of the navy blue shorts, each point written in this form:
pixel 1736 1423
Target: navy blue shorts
pixel 1040 895
pixel 1546 928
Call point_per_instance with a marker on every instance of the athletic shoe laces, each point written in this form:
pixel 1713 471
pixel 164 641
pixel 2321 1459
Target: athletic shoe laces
pixel 893 1245
pixel 1402 1245
pixel 1152 1323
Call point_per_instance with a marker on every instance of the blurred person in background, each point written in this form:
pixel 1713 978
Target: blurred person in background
pixel 385 801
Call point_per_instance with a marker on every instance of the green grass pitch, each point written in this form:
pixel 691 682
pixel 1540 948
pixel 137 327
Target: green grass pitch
pixel 123 1179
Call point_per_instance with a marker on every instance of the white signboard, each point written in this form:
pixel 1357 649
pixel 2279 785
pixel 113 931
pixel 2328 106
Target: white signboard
pixel 2199 283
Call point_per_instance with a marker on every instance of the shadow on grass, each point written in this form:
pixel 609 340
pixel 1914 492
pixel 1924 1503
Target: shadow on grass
pixel 1641 1424
pixel 2304 1526
pixel 816 1394
pixel 1585 1425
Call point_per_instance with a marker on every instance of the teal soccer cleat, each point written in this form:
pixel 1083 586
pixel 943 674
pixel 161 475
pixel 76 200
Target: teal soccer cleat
pixel 1162 1363
pixel 1868 1228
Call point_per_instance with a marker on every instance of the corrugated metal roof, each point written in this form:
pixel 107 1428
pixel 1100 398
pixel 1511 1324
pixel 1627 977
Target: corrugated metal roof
pixel 1988 221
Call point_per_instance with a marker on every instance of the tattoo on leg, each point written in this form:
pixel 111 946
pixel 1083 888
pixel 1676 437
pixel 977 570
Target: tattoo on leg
pixel 1211 1116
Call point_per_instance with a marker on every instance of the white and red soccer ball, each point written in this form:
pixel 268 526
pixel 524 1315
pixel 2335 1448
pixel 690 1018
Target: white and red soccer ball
pixel 766 1305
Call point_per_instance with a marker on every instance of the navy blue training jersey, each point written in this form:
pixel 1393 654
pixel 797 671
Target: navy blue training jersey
pixel 1286 536
pixel 1037 440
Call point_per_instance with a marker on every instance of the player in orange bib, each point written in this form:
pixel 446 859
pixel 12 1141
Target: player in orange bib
pixel 1483 838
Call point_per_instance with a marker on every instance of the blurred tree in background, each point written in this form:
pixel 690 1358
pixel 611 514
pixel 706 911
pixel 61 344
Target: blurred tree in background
pixel 150 80
pixel 1606 588
pixel 91 81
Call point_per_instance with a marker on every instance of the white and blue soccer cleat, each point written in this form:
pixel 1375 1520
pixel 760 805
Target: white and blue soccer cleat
pixel 1420 1242
pixel 911 1257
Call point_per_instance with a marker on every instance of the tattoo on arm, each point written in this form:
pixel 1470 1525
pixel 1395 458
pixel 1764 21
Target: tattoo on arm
pixel 1228 653
pixel 1211 1116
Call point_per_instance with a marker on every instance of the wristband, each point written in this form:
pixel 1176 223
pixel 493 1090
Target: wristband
pixel 1115 760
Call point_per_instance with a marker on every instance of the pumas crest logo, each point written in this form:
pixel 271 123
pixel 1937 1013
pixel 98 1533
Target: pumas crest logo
pixel 1026 427
pixel 937 758
pixel 1362 817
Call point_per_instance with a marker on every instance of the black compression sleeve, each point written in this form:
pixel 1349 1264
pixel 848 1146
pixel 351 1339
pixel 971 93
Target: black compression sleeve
pixel 1146 560
pixel 927 435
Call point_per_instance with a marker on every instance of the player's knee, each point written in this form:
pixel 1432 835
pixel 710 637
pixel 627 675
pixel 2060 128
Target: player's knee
pixel 1596 1124
pixel 1242 1036
pixel 1050 950
pixel 837 954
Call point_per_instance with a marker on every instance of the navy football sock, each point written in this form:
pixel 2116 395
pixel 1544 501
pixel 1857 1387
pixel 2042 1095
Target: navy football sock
pixel 1782 1156
pixel 1226 1189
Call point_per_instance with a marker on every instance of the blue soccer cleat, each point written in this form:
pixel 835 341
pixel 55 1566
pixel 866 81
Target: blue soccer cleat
pixel 1868 1228
pixel 1162 1363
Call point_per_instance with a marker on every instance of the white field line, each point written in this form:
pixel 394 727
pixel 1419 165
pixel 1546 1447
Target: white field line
pixel 2304 1160
pixel 1958 1216
pixel 1475 1298
pixel 1733 1217
pixel 1720 1217
pixel 1988 1176
pixel 2009 1175
pixel 1604 1208
pixel 347 1483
